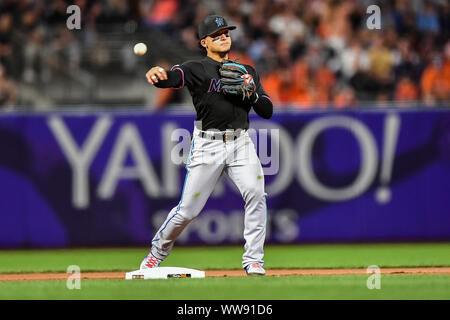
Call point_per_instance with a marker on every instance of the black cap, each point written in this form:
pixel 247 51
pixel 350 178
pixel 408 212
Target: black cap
pixel 212 24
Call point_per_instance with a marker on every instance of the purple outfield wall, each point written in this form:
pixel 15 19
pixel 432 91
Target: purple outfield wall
pixel 103 178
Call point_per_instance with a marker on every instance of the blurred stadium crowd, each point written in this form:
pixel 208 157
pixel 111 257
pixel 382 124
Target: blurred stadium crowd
pixel 309 53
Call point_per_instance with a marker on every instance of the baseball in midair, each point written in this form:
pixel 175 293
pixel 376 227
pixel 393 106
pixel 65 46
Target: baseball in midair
pixel 140 48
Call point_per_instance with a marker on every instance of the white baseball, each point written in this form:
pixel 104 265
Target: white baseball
pixel 140 48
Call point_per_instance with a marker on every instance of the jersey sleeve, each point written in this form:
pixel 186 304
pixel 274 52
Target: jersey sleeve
pixel 177 77
pixel 185 71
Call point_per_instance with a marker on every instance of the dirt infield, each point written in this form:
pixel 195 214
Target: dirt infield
pixel 226 273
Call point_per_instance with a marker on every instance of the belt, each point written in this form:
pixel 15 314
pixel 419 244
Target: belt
pixel 224 136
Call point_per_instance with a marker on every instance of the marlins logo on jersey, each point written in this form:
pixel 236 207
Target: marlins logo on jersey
pixel 215 85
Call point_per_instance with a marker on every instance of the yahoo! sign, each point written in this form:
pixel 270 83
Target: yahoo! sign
pixel 297 157
pixel 290 157
pixel 111 178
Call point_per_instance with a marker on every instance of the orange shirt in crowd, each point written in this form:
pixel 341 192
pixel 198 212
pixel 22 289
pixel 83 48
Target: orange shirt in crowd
pixel 323 30
pixel 240 57
pixel 344 99
pixel 162 98
pixel 444 81
pixel 163 11
pixel 429 76
pixel 306 99
pixel 322 96
pixel 283 91
pixel 293 86
pixel 271 84
pixel 406 90
pixel 300 71
pixel 436 81
pixel 324 78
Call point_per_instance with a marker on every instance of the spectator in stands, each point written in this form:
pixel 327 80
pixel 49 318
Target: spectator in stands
pixel 324 81
pixel 287 23
pixel 406 90
pixel 435 83
pixel 381 65
pixel 115 11
pixel 309 52
pixel 409 63
pixel 427 20
pixel 344 98
pixel 159 13
pixel 6 45
pixel 8 90
pixel 271 81
pixel 354 58
pixel 56 13
pixel 34 56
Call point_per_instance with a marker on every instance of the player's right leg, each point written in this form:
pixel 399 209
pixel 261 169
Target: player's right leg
pixel 205 166
pixel 246 172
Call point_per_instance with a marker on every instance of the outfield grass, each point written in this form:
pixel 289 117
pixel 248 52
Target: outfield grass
pixel 239 288
pixel 301 256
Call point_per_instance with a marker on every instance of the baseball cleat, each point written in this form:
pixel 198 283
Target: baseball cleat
pixel 255 269
pixel 149 262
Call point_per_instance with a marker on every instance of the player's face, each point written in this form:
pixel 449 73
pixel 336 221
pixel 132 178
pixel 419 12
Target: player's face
pixel 219 42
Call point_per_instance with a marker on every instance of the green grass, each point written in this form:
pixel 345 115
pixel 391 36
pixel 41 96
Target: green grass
pixel 270 288
pixel 251 288
pixel 301 256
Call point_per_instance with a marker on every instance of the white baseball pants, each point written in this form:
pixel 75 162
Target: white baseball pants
pixel 207 161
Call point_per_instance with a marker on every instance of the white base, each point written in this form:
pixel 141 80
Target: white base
pixel 164 273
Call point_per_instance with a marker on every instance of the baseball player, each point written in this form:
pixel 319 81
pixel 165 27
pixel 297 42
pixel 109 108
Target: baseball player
pixel 223 92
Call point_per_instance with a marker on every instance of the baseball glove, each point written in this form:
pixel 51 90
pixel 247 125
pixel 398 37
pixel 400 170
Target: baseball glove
pixel 235 79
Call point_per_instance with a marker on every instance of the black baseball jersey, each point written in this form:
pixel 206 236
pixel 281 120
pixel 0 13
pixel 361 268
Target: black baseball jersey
pixel 215 109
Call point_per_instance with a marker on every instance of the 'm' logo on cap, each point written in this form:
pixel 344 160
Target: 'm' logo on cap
pixel 219 21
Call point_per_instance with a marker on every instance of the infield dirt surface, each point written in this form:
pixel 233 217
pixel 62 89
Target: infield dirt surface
pixel 227 273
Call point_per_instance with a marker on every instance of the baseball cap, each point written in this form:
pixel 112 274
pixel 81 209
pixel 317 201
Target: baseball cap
pixel 212 24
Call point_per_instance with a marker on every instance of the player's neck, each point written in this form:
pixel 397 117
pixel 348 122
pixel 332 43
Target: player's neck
pixel 217 56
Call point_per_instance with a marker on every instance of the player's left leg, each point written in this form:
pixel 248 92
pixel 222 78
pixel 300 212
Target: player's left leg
pixel 244 169
pixel 205 166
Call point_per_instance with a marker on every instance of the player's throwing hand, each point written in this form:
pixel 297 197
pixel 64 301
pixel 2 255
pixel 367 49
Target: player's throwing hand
pixel 155 74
